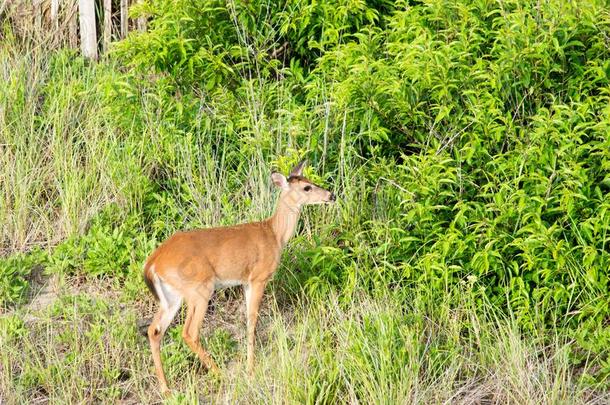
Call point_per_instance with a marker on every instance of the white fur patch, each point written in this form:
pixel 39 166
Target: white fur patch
pixel 169 301
pixel 169 298
pixel 218 283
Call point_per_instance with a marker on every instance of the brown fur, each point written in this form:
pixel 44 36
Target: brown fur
pixel 188 259
pixel 190 265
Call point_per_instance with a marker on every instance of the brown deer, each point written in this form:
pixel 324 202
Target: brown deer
pixel 190 265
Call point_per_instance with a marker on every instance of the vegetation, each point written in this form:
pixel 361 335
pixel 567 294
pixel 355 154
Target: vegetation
pixel 467 259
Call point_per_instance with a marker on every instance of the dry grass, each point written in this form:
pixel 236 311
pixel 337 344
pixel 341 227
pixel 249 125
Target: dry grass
pixel 84 344
pixel 87 347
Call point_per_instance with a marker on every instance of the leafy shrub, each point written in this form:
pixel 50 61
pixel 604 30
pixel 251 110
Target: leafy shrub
pixel 105 250
pixel 468 143
pixel 478 131
pixel 209 44
pixel 14 274
pixel 443 73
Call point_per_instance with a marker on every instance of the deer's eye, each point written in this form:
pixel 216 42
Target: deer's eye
pixel 307 188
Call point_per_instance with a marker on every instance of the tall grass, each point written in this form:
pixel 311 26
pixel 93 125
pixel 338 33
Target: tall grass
pixel 465 261
pixel 63 159
pixel 86 349
pixel 55 148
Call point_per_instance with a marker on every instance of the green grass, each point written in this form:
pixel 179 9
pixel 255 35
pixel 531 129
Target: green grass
pixel 466 260
pixel 87 348
pixel 56 148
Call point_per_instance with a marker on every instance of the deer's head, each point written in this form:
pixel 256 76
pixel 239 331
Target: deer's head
pixel 299 190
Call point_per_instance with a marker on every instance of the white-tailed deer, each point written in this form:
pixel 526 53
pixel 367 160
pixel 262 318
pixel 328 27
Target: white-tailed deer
pixel 190 265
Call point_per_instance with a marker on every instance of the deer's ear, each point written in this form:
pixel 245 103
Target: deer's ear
pixel 279 180
pixel 298 169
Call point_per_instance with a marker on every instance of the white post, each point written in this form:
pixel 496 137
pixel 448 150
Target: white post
pixel 72 23
pixel 55 14
pixel 141 22
pixel 124 21
pixel 88 34
pixel 38 15
pixel 107 23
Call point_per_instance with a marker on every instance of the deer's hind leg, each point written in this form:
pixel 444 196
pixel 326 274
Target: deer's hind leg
pixel 169 304
pixel 197 307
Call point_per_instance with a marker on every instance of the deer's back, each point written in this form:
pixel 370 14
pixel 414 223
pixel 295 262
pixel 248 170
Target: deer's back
pixel 220 254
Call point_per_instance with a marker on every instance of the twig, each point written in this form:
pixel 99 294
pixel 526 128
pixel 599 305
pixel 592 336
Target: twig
pixel 443 146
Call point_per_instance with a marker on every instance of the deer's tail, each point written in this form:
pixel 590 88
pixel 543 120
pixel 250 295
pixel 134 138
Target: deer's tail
pixel 148 279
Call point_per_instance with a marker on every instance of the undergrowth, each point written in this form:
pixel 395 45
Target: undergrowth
pixel 467 142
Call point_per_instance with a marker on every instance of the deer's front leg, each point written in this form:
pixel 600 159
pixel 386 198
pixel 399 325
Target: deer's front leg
pixel 254 294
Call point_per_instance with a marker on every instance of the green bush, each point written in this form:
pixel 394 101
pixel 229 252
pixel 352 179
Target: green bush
pixel 467 142
pixel 15 272
pixel 107 249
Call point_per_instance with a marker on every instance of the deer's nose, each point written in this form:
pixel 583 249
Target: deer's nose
pixel 332 197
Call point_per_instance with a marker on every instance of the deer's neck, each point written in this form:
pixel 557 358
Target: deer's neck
pixel 284 220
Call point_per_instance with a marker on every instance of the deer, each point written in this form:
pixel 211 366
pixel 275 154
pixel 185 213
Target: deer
pixel 190 265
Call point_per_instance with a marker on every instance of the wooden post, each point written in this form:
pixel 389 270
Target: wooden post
pixel 37 15
pixel 107 24
pixel 141 22
pixel 124 22
pixel 55 14
pixel 88 33
pixel 56 36
pixel 72 24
